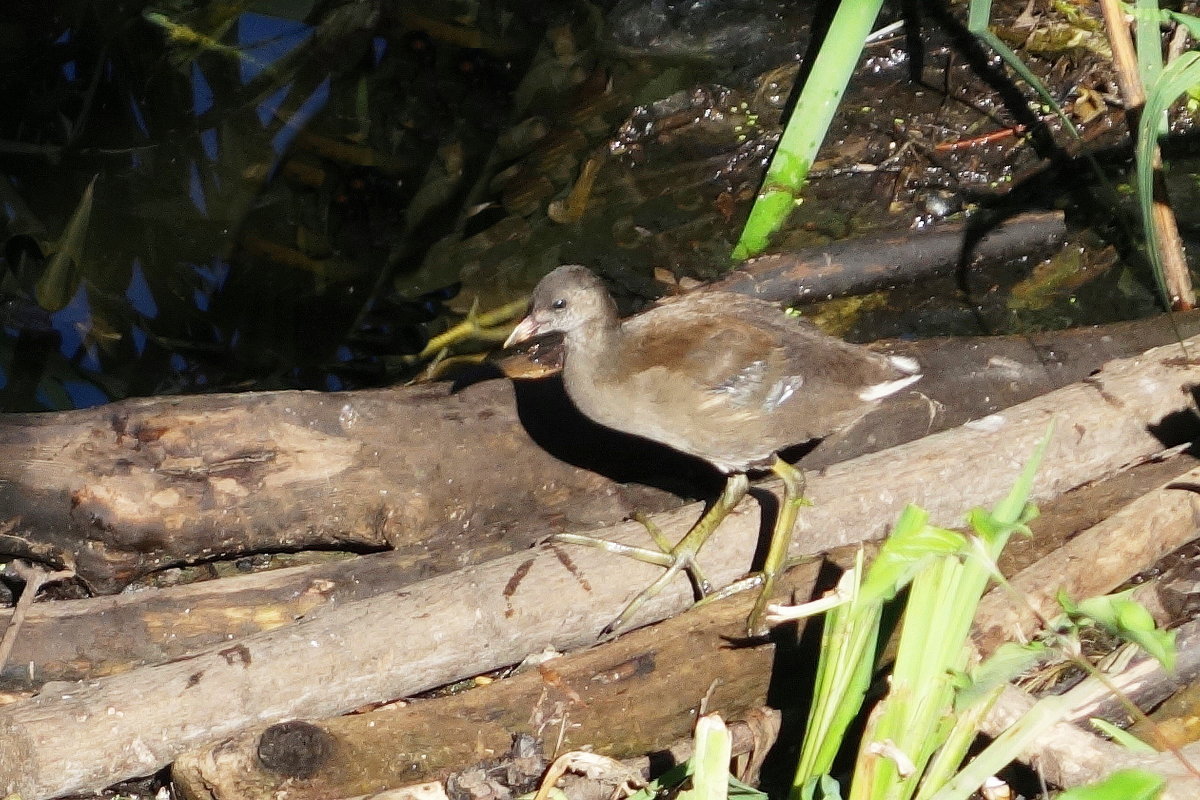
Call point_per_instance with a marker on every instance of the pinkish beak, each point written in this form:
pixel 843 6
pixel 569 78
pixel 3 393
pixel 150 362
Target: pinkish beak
pixel 526 329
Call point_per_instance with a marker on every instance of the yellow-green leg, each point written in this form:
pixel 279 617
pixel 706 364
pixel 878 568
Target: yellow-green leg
pixel 781 541
pixel 681 557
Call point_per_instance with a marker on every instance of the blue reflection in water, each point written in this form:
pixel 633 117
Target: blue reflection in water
pixel 138 336
pixel 265 39
pixel 202 94
pixel 82 394
pixel 267 108
pixel 307 110
pixel 208 140
pixel 72 322
pixel 137 116
pixel 138 293
pixel 196 188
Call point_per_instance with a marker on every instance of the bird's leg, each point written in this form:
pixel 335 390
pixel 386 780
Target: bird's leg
pixel 781 541
pixel 680 557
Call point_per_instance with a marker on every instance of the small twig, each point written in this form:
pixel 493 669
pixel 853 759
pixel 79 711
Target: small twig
pixel 35 578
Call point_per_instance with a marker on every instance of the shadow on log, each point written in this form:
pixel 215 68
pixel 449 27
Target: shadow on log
pixel 409 483
pixel 75 737
pixel 443 478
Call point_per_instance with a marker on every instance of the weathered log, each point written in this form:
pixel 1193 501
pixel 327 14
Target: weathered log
pixel 610 696
pixel 866 264
pixel 457 625
pixel 427 472
pixel 587 700
pixel 89 638
pixel 1171 511
pixel 81 639
pixel 124 489
pixel 1066 755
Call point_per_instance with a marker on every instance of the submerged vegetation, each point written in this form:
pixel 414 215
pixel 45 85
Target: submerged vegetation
pixel 302 194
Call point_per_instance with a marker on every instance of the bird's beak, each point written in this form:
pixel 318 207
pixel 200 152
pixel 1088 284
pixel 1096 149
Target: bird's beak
pixel 526 329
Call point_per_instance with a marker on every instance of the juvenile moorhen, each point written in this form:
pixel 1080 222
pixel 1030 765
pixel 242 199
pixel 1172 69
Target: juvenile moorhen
pixel 720 376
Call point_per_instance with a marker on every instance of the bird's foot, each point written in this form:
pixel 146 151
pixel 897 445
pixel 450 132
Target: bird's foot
pixel 776 561
pixel 674 558
pixel 764 581
pixel 680 553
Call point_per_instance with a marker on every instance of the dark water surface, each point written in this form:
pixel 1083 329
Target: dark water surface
pixel 299 193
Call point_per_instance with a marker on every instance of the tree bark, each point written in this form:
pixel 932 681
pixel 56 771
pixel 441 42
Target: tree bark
pixel 867 264
pixel 441 477
pixel 611 697
pixel 125 489
pixel 590 697
pixel 76 737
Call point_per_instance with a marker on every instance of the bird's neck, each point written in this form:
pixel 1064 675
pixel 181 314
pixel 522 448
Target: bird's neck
pixel 593 349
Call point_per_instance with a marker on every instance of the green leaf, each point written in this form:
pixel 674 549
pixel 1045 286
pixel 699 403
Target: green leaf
pixel 710 761
pixel 1121 736
pixel 1188 21
pixel 820 787
pixel 668 781
pixel 737 789
pixel 1015 508
pixel 1127 784
pixel 60 278
pixel 1130 620
pixel 1007 662
pixel 1174 81
pixel 912 544
pixel 832 67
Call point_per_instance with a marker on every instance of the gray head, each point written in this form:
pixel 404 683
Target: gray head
pixel 571 298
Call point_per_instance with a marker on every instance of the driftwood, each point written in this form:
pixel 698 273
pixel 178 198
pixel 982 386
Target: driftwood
pixel 93 637
pixel 1107 549
pixel 567 703
pixel 1066 755
pixel 124 489
pixel 74 640
pixel 586 700
pixel 499 511
pixel 80 736
pixel 119 491
pixel 866 264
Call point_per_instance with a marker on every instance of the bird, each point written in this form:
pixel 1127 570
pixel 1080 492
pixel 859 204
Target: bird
pixel 723 377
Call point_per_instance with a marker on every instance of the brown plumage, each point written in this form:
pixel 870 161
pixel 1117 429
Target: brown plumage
pixel 723 377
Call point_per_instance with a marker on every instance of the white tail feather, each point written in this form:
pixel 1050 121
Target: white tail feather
pixel 881 390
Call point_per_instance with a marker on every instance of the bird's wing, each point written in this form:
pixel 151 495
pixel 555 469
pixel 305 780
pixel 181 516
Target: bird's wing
pixel 715 355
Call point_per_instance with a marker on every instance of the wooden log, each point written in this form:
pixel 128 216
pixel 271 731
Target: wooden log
pixel 75 737
pixel 869 263
pixel 427 472
pixel 124 489
pixel 1105 552
pixel 609 697
pixel 76 640
pixel 1066 755
pixel 590 702
pixel 92 637
pixel 81 639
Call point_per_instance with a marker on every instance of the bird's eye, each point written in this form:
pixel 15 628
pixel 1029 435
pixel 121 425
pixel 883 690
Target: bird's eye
pixel 559 304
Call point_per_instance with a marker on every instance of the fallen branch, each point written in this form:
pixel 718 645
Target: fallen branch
pixel 490 615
